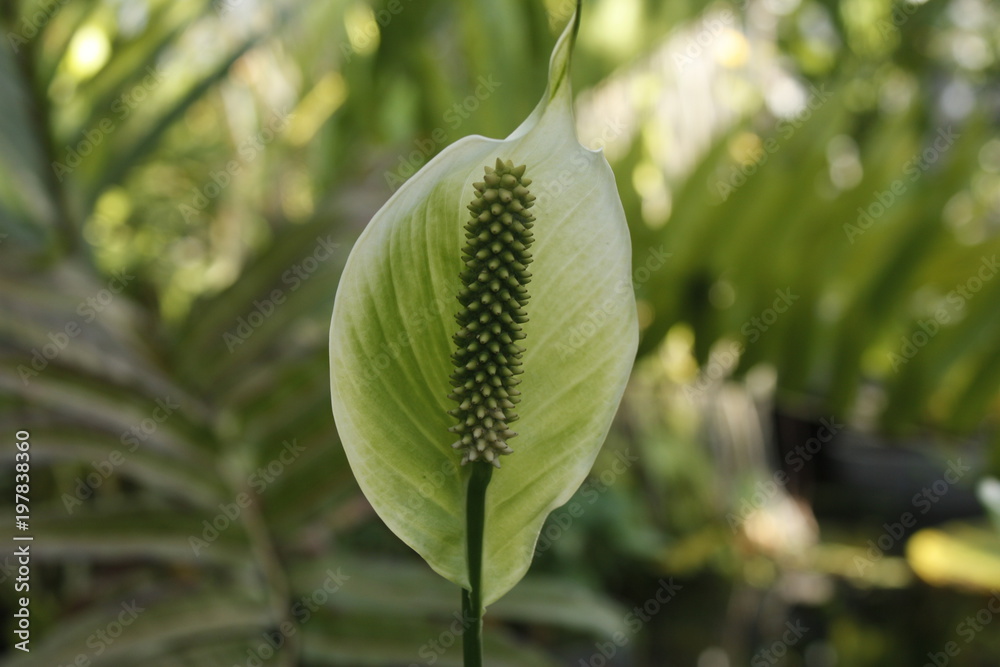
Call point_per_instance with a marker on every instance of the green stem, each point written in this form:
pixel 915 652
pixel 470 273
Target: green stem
pixel 472 599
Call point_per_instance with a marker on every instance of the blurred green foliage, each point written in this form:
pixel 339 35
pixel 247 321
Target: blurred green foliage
pixel 813 188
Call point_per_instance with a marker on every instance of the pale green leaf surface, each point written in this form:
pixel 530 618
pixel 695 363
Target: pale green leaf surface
pixel 390 342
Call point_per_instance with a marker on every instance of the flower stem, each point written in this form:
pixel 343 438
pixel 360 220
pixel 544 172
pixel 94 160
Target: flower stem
pixel 472 599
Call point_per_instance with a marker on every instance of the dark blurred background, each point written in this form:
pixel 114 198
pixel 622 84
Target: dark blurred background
pixel 804 468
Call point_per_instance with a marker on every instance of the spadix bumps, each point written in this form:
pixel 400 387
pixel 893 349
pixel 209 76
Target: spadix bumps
pixel 394 342
pixel 493 298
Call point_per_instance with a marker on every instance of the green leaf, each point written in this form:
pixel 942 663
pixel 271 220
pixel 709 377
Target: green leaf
pixel 117 532
pixel 156 627
pixel 380 584
pixel 393 320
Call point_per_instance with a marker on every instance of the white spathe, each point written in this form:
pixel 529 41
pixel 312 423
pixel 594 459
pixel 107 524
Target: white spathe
pixel 393 319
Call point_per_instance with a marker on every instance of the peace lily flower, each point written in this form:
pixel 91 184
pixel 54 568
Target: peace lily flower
pixel 417 394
